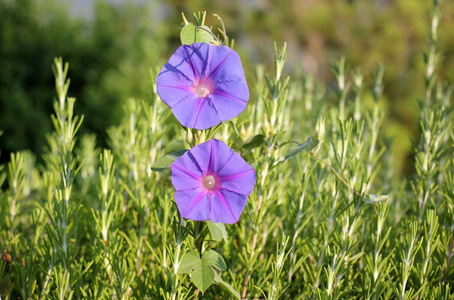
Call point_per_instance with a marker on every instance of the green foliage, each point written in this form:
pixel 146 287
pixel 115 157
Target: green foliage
pixel 111 50
pixel 106 53
pixel 90 222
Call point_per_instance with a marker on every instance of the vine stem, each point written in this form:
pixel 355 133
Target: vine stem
pixel 200 236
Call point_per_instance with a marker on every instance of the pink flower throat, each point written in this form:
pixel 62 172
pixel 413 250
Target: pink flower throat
pixel 203 89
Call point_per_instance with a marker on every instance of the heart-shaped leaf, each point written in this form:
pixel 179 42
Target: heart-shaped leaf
pixel 202 274
pixel 188 262
pixel 202 277
pixel 213 259
pixel 191 34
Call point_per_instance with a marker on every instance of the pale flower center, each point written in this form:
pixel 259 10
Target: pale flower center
pixel 209 182
pixel 202 90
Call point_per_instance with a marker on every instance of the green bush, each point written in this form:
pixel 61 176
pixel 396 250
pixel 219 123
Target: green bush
pixel 329 218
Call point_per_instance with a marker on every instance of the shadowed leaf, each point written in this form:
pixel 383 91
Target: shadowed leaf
pixel 256 141
pixel 307 146
pixel 164 162
pixel 217 230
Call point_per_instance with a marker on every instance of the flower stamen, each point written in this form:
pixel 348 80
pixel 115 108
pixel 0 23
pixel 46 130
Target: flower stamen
pixel 203 90
pixel 209 182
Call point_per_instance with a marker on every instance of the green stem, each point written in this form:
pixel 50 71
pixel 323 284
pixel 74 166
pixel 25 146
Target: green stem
pixel 199 236
pixel 337 175
pixel 176 264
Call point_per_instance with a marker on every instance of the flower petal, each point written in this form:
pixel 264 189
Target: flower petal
pixel 185 110
pixel 198 56
pixel 242 183
pixel 191 64
pixel 212 155
pixel 207 115
pixel 237 175
pixel 173 95
pixel 175 81
pixel 202 154
pixel 228 105
pixel 222 56
pixel 184 178
pixel 193 204
pixel 229 69
pixel 226 201
pixel 227 206
pixel 231 91
pixel 179 68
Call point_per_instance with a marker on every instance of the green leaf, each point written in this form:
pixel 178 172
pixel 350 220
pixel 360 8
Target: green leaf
pixel 188 262
pixel 217 231
pixel 164 162
pixel 256 141
pixel 230 288
pixel 202 277
pixel 202 268
pixel 213 259
pixel 191 34
pixel 307 146
pixel 203 274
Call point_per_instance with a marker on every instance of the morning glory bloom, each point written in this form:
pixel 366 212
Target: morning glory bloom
pixel 212 182
pixel 204 85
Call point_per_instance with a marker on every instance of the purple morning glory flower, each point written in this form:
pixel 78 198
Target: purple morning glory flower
pixel 212 182
pixel 204 85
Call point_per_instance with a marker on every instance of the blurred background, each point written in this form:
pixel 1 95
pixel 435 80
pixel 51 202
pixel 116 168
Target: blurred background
pixel 111 46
